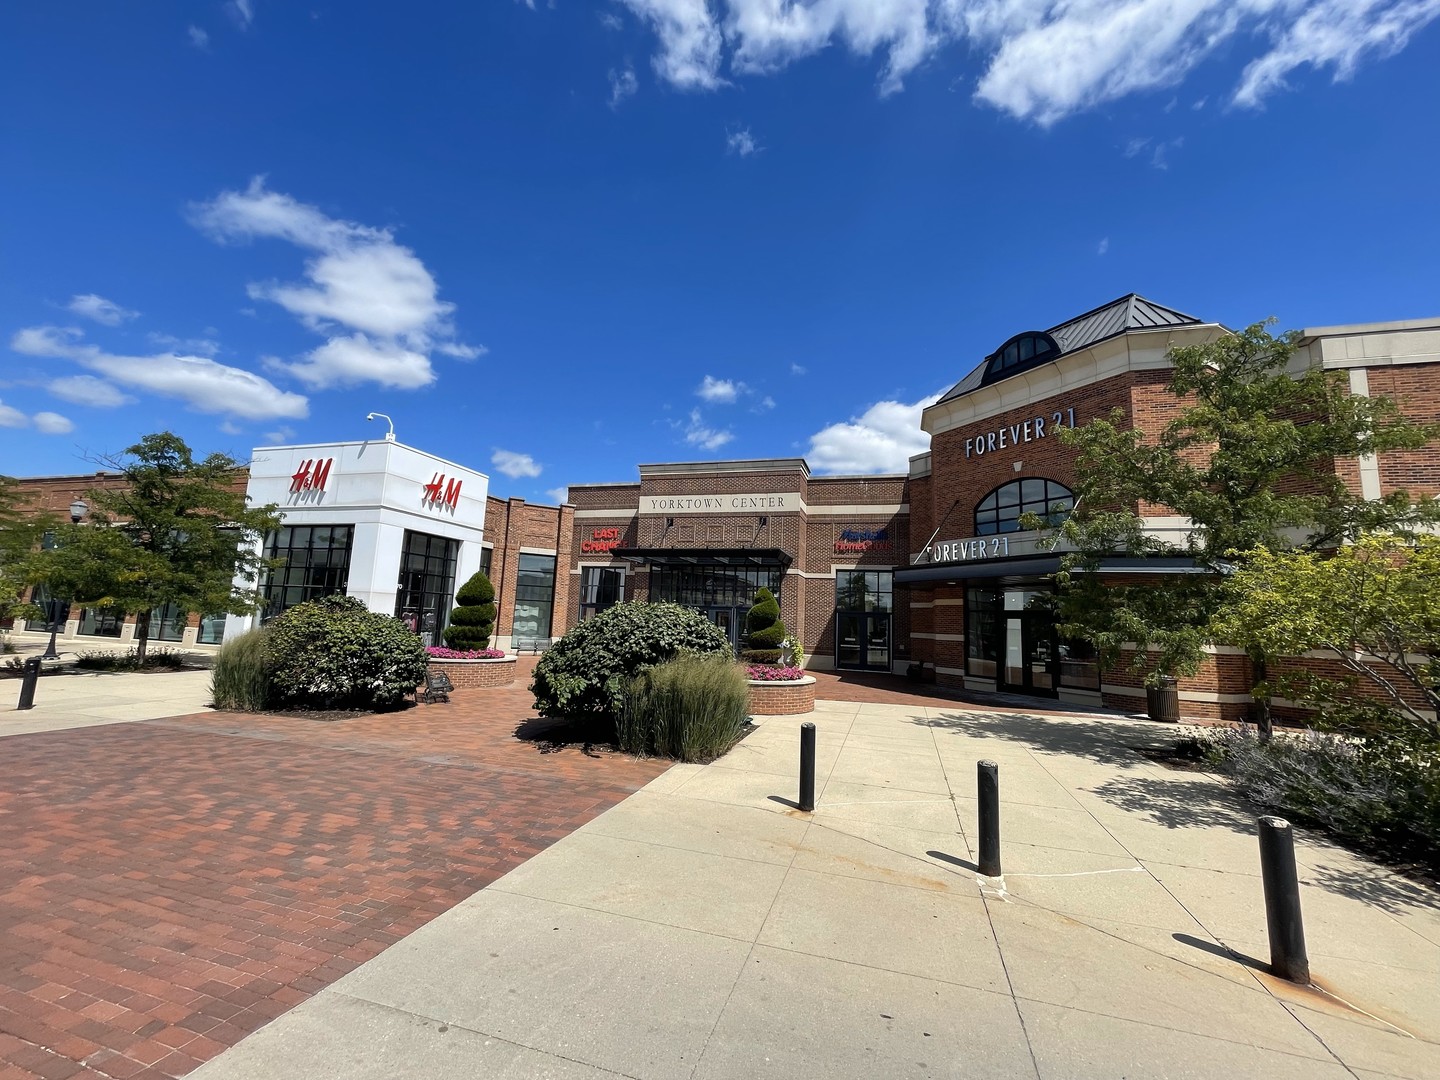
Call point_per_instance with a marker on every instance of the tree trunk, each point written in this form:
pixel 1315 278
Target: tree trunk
pixel 142 634
pixel 1263 722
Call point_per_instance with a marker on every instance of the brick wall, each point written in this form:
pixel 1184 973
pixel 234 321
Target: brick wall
pixel 781 700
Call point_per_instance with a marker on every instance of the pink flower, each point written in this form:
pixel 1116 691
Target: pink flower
pixel 767 673
pixel 439 652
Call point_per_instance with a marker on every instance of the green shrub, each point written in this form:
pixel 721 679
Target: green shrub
pixel 473 619
pixel 240 681
pixel 585 673
pixel 766 631
pixel 154 660
pixel 1381 793
pixel 760 656
pixel 692 708
pixel 334 653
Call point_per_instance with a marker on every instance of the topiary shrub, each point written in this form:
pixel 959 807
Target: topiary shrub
pixel 240 681
pixel 692 708
pixel 474 616
pixel 761 656
pixel 334 653
pixel 765 630
pixel 585 672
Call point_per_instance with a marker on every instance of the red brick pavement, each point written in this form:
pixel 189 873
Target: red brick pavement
pixel 168 887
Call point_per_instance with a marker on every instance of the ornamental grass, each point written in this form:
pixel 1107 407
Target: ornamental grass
pixel 692 708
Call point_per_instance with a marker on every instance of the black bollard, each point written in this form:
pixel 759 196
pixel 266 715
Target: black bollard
pixel 807 767
pixel 27 683
pixel 988 776
pixel 1282 901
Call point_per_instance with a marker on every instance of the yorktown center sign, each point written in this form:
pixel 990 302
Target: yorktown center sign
pixel 753 503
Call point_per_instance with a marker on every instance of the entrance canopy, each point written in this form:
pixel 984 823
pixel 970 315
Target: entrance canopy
pixel 733 558
pixel 1040 567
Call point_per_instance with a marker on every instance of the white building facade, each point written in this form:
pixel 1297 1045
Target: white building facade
pixel 396 528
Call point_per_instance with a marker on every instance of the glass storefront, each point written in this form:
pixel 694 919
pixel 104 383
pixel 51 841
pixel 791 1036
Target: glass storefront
pixel 212 629
pixel 864 600
pixel 426 587
pixel 101 622
pixel 1010 636
pixel 167 623
pixel 725 594
pixel 534 598
pixel 316 562
pixel 600 587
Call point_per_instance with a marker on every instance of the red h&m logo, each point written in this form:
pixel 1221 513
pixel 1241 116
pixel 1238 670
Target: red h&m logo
pixel 311 475
pixel 442 492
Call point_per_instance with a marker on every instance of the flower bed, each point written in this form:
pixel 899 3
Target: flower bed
pixel 439 652
pixel 780 691
pixel 479 673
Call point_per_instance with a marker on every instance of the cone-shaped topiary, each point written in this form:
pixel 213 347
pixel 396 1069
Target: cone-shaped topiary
pixel 474 614
pixel 766 631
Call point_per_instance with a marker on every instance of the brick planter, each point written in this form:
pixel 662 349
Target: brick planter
pixel 477 674
pixel 782 698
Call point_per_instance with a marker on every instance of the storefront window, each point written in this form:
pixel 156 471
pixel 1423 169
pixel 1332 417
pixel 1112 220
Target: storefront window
pixel 56 611
pixel 485 554
pixel 167 623
pixel 1079 665
pixel 713 586
pixel 534 597
pixel 427 584
pixel 864 590
pixel 600 587
pixel 316 563
pixel 1001 510
pixel 212 629
pixel 982 632
pixel 101 622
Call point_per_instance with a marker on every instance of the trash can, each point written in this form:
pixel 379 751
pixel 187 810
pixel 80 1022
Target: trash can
pixel 1162 700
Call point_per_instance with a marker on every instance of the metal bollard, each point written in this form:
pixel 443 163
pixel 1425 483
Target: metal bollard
pixel 988 777
pixel 27 683
pixel 807 767
pixel 1282 901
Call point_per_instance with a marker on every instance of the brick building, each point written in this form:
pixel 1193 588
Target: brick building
pixel 871 572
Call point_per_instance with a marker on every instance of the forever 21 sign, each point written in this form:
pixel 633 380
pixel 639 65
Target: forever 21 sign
pixel 1011 435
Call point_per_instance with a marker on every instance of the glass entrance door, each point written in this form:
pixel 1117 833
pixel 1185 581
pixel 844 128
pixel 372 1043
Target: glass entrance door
pixel 862 640
pixel 1030 653
pixel 727 619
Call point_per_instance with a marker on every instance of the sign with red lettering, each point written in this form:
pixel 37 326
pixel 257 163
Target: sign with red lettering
pixel 601 541
pixel 441 492
pixel 859 541
pixel 311 475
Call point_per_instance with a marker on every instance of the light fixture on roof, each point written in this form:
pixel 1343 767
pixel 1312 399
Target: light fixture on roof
pixel 389 435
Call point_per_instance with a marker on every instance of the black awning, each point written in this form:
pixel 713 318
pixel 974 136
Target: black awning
pixel 730 557
pixel 1041 566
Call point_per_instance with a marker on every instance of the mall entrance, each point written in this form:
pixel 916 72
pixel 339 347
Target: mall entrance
pixel 1011 637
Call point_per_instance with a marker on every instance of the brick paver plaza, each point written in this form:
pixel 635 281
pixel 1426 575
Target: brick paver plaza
pixel 167 887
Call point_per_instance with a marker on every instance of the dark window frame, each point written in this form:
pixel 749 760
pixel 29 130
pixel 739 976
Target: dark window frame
pixel 1002 507
pixel 300 579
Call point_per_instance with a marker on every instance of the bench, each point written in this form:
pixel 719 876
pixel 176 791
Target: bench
pixel 437 687
pixel 534 646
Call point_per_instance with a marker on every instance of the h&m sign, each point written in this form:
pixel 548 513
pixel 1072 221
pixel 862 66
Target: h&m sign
pixel 441 492
pixel 311 475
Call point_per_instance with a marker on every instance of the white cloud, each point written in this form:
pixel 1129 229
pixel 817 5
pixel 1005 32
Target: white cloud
pixel 359 280
pixel 1103 246
pixel 1044 59
pixel 708 438
pixel 623 84
pixel 766 404
pixel 742 143
pixel 100 310
pixel 278 436
pixel 560 494
pixel 243 12
pixel 12 417
pixel 205 385
pixel 514 464
pixel 198 38
pixel 230 427
pixel 798 369
pixel 202 346
pixel 881 439
pixel 88 390
pixel 719 391
pixel 52 423
pixel 610 20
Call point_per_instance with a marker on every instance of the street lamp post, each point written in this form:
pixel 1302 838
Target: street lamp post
pixel 78 509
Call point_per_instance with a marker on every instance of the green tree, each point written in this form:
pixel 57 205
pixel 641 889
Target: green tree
pixel 1373 605
pixel 474 616
pixel 172 530
pixel 764 630
pixel 1249 458
pixel 20 532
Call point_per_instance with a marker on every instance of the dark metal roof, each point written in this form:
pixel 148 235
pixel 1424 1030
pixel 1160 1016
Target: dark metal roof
pixel 705 556
pixel 1131 312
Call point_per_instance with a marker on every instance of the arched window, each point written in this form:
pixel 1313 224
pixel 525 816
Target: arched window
pixel 1026 350
pixel 1000 511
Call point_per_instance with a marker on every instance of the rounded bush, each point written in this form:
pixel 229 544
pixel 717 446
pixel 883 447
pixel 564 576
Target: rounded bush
pixel 586 671
pixel 334 653
pixel 473 619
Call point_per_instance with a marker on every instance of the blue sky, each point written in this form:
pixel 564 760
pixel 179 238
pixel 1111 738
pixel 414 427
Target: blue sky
pixel 557 240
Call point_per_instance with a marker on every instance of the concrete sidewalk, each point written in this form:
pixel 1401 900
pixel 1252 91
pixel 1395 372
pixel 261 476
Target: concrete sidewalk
pixel 705 928
pixel 72 698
